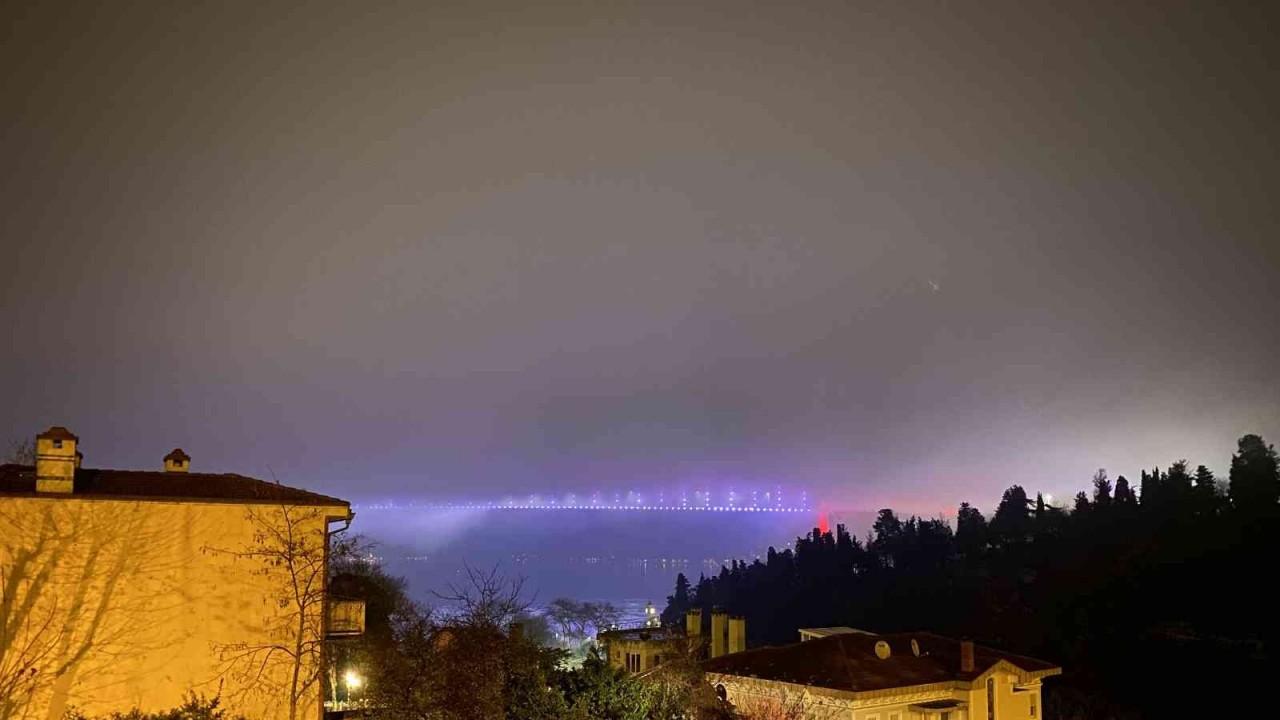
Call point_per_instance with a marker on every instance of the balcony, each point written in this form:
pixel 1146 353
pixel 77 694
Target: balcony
pixel 346 617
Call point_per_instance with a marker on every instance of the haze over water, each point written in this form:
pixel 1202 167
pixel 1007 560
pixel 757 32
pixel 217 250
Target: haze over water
pixel 618 556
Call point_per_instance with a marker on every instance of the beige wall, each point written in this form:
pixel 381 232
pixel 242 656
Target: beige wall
pixel 648 650
pixel 134 603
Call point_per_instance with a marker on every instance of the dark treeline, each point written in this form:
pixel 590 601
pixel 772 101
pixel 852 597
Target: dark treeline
pixel 1156 599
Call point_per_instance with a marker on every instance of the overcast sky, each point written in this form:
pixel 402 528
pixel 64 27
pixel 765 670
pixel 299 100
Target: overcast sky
pixel 904 253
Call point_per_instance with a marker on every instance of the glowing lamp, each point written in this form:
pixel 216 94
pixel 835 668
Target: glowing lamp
pixel 352 680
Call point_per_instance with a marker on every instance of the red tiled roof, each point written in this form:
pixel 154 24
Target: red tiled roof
pixel 90 483
pixel 57 432
pixel 849 662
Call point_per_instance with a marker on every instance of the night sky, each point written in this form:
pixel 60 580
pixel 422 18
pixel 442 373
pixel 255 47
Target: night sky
pixel 896 253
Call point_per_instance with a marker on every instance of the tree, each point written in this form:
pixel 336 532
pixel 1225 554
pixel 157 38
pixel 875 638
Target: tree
pixel 971 531
pixel 1011 523
pixel 1082 505
pixel 286 661
pixel 600 692
pixel 21 452
pixel 1101 489
pixel 486 599
pixel 195 707
pixel 1254 479
pixel 1124 494
pixel 1149 488
pixel 678 603
pixel 1205 490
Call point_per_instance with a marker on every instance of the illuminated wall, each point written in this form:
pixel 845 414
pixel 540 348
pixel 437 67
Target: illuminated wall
pixel 116 604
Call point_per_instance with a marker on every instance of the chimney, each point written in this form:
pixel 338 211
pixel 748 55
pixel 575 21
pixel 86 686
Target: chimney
pixel 737 634
pixel 693 622
pixel 719 632
pixel 56 460
pixel 966 656
pixel 177 461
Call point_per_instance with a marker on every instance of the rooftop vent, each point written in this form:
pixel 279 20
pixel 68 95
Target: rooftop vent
pixel 177 461
pixel 56 460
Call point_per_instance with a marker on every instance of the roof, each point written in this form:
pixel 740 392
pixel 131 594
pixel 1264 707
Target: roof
pixel 848 662
pixel 178 455
pixel 146 485
pixel 57 432
pixel 829 631
pixel 655 634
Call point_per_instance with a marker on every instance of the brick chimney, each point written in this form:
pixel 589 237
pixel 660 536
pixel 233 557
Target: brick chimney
pixel 719 632
pixel 737 634
pixel 693 622
pixel 966 656
pixel 177 461
pixel 56 460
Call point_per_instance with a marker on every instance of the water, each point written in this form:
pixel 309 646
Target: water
pixel 627 558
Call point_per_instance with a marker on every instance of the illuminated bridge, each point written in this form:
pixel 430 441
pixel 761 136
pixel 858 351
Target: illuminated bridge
pixel 773 501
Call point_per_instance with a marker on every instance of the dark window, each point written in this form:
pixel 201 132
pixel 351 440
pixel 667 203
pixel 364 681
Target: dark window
pixel 991 699
pixel 57 443
pixel 722 693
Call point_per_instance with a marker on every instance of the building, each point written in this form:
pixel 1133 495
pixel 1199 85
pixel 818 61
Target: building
pixel 900 676
pixel 126 589
pixel 641 649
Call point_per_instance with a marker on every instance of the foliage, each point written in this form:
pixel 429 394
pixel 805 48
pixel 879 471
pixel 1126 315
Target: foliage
pixel 576 620
pixel 599 692
pixel 196 707
pixel 1132 594
pixel 21 452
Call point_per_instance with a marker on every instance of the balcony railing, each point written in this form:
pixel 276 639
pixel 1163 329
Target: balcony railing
pixel 346 617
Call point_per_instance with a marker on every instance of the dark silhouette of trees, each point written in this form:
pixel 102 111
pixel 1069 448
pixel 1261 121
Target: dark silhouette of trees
pixel 1254 484
pixel 677 603
pixel 1101 490
pixel 1124 494
pixel 1135 594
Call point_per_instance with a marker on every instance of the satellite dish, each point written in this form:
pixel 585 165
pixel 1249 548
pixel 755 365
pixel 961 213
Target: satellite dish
pixel 915 647
pixel 882 650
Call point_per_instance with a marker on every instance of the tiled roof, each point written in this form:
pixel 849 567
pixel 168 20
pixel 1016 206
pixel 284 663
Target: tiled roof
pixel 658 634
pixel 57 432
pixel 141 484
pixel 849 662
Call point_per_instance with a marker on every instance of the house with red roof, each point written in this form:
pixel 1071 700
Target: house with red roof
pixel 847 674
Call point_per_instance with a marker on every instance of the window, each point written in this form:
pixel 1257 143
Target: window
pixel 1033 704
pixel 945 716
pixel 57 443
pixel 991 698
